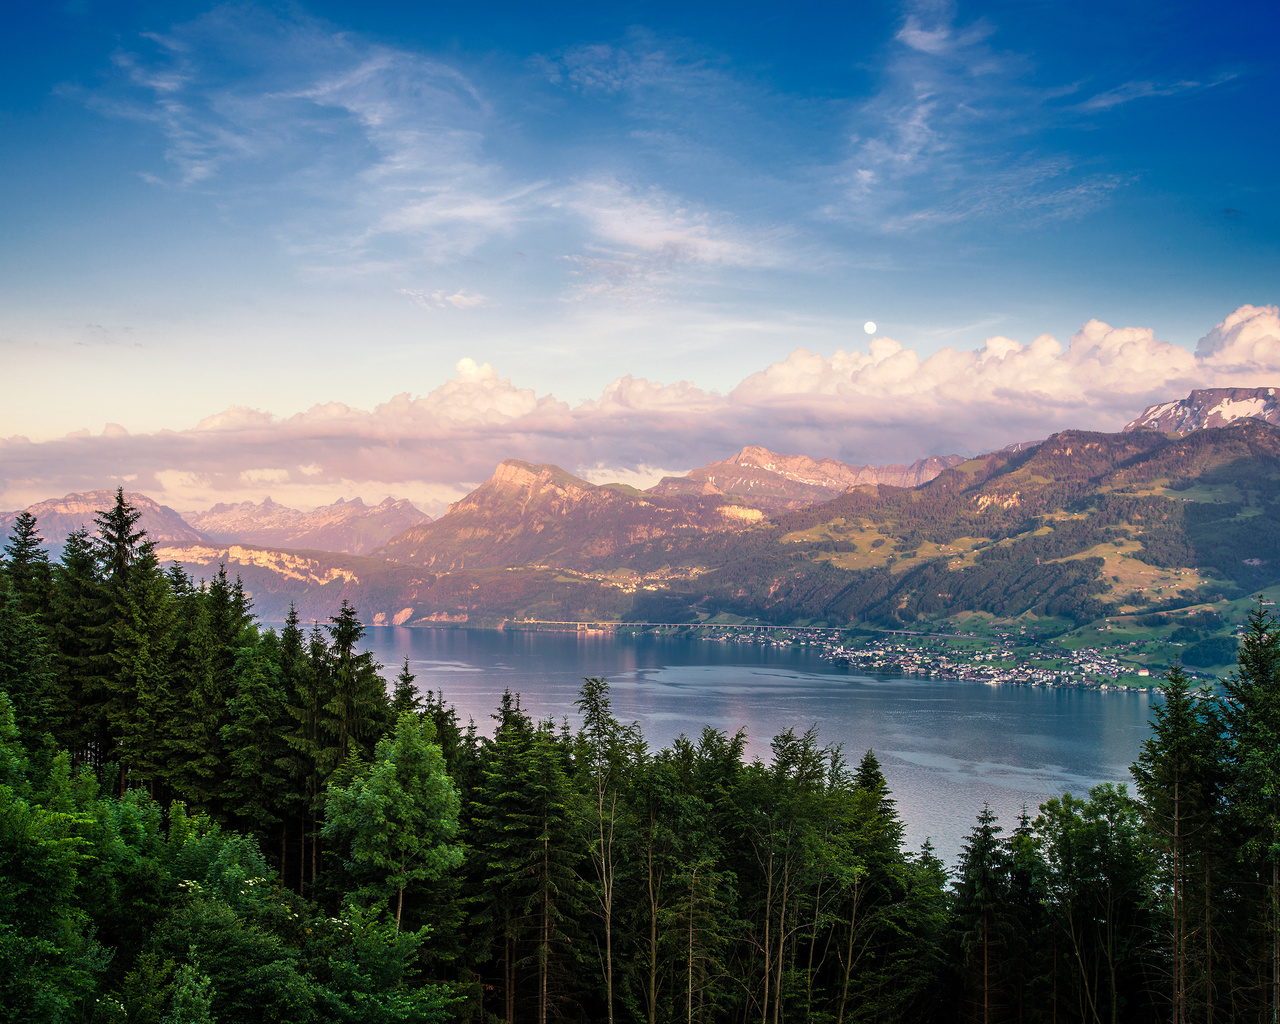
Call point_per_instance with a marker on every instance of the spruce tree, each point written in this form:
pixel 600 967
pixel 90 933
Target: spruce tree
pixel 142 642
pixel 982 904
pixel 1179 776
pixel 26 670
pixel 358 709
pixel 257 786
pixel 82 659
pixel 404 695
pixel 1251 710
pixel 26 564
pixel 119 540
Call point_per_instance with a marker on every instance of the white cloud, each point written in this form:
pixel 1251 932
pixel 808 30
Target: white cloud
pixel 438 299
pixel 881 404
pixel 1247 342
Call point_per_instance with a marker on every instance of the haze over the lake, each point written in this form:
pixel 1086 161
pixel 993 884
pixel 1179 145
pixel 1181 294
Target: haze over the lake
pixel 331 249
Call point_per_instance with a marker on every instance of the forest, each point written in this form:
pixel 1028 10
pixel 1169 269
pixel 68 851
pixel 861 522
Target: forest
pixel 205 820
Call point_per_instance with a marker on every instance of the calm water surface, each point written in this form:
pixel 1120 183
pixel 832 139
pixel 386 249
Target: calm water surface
pixel 946 747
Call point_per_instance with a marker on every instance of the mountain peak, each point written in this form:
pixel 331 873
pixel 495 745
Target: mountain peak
pixel 1210 407
pixel 773 481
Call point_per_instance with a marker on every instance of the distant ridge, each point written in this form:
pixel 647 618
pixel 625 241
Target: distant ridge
pixel 58 518
pixel 350 527
pixel 1210 407
pixel 775 482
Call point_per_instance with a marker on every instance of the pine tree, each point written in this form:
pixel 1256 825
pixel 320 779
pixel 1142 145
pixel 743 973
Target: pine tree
pixel 1100 871
pixel 1251 710
pixel 404 695
pixel 142 642
pixel 82 659
pixel 1179 776
pixel 552 901
pixel 257 786
pixel 500 838
pixel 26 671
pixel 1027 921
pixel 293 761
pixel 524 857
pixel 119 542
pixel 206 681
pixel 358 708
pixel 26 564
pixel 878 973
pixel 981 907
pixel 309 737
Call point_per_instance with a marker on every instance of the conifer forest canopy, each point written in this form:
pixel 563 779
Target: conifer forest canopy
pixel 204 820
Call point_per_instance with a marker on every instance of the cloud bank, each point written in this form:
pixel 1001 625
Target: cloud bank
pixel 879 405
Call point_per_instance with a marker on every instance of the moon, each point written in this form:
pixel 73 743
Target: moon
pixel 869 327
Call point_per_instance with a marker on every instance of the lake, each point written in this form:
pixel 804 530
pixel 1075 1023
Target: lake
pixel 946 746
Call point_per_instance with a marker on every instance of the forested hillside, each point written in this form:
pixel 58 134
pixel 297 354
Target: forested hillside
pixel 204 820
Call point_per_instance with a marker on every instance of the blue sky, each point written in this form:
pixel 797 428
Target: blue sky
pixel 675 218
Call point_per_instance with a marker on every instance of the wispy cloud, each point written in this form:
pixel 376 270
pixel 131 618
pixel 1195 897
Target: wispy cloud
pixel 378 160
pixel 1127 92
pixel 951 134
pixel 643 239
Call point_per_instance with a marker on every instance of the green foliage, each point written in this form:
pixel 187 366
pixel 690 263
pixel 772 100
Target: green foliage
pixel 397 818
pixel 48 957
pixel 1218 650
pixel 273 845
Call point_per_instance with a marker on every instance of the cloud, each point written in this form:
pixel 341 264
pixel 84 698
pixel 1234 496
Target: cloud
pixel 1126 92
pixel 648 239
pixel 951 133
pixel 363 152
pixel 377 161
pixel 1245 343
pixel 439 300
pixel 885 403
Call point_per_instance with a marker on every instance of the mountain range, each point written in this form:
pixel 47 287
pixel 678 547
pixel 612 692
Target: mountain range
pixel 1174 515
pixel 351 527
pixel 58 518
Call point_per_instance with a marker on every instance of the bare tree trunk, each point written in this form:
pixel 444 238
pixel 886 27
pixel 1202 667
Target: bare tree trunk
pixel 782 938
pixel 653 927
pixel 1275 942
pixel 509 968
pixel 986 972
pixel 768 948
pixel 693 881
pixel 848 964
pixel 606 878
pixel 1208 943
pixel 545 952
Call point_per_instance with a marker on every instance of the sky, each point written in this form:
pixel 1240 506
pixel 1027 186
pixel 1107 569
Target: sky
pixel 326 249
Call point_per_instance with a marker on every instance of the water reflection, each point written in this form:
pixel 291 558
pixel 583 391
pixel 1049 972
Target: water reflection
pixel 946 747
